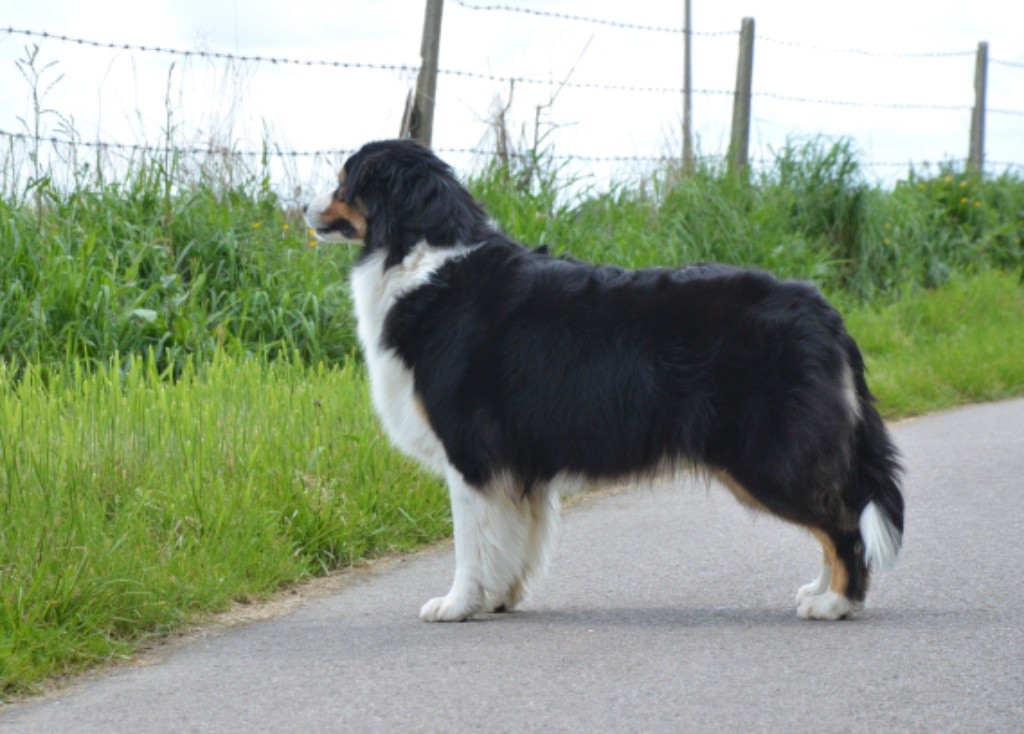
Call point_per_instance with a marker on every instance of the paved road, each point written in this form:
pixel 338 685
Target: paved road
pixel 665 610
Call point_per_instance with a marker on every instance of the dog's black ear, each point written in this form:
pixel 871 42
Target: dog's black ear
pixel 369 178
pixel 364 176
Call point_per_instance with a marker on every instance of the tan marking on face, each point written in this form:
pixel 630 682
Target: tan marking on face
pixel 338 210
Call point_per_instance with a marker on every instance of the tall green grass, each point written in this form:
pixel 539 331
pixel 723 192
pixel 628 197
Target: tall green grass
pixel 959 343
pixel 135 266
pixel 130 503
pixel 809 213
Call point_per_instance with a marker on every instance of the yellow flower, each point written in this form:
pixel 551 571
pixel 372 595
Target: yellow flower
pixel 948 179
pixel 255 225
pixel 963 200
pixel 977 203
pixel 287 227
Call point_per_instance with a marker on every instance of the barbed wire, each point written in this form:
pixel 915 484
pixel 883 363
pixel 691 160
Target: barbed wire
pixel 885 105
pixel 226 151
pixel 680 30
pixel 768 39
pixel 221 55
pixel 208 150
pixel 866 52
pixel 405 68
pixel 401 68
pixel 877 105
pixel 596 21
pixel 213 150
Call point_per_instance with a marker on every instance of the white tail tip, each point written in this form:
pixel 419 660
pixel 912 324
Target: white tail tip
pixel 882 539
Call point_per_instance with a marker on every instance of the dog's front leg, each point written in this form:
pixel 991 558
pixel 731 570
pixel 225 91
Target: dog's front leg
pixel 490 531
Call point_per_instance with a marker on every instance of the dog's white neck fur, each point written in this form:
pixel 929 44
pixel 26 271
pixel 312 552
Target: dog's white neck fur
pixel 374 291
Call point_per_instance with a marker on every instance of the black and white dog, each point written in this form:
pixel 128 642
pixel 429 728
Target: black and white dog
pixel 510 372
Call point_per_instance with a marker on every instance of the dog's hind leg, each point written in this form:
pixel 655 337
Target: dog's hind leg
pixel 845 576
pixel 820 584
pixel 839 590
pixel 542 510
pixel 491 532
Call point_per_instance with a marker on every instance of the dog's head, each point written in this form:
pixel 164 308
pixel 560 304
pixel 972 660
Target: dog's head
pixel 392 195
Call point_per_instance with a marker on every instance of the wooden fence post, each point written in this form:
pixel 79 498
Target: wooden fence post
pixel 687 92
pixel 976 154
pixel 418 120
pixel 739 145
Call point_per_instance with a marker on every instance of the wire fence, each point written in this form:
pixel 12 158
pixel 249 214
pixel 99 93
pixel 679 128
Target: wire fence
pixel 506 79
pixel 548 87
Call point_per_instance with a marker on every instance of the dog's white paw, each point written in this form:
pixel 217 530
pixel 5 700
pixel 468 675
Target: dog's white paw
pixel 451 608
pixel 816 587
pixel 828 605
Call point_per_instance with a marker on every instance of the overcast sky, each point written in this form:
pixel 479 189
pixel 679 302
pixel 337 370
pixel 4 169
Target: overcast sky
pixel 130 96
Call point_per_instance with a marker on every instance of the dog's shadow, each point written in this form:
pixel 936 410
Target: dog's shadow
pixel 732 616
pixel 650 617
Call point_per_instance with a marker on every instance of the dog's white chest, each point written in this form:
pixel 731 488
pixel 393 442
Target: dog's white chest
pixel 392 387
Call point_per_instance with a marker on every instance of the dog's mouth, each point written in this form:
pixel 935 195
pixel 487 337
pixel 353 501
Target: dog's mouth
pixel 333 220
pixel 339 231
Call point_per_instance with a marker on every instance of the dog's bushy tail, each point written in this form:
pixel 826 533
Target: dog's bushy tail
pixel 874 481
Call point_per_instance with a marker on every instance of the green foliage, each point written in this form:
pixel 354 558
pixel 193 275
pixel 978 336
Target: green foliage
pixel 129 504
pixel 126 267
pixel 809 214
pixel 943 347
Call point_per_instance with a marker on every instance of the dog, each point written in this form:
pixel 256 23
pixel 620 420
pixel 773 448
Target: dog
pixel 511 372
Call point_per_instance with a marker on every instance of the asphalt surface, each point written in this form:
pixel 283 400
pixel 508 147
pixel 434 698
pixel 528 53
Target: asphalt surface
pixel 665 609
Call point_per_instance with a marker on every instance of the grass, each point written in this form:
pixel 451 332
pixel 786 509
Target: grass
pixel 126 267
pixel 184 421
pixel 957 344
pixel 809 214
pixel 132 503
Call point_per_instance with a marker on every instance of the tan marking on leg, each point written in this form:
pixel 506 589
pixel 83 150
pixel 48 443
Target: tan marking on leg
pixel 827 546
pixel 840 578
